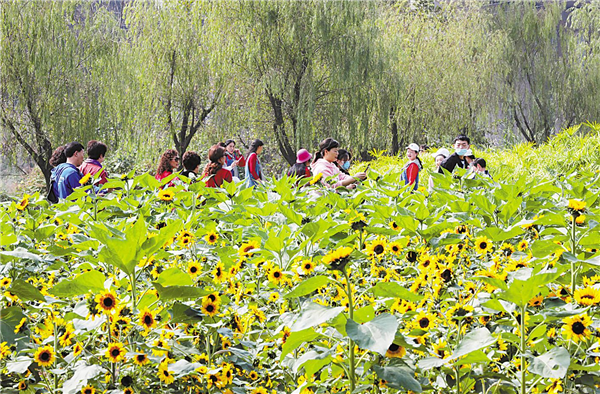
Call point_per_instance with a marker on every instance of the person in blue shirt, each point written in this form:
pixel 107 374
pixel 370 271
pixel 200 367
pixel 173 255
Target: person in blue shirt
pixel 66 176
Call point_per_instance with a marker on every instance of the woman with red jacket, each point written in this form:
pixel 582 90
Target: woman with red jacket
pixel 254 174
pixel 214 173
pixel 410 172
pixel 169 162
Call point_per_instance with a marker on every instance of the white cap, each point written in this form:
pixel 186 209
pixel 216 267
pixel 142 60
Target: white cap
pixel 414 147
pixel 442 151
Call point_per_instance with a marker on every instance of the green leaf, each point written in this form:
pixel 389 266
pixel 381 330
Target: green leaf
pixel 178 292
pixel 296 339
pixel 82 374
pixel 313 314
pixel 553 364
pixel 20 365
pixel 497 234
pixel 21 253
pixel 9 319
pixel 181 313
pixel 474 340
pixel 308 286
pixel 26 291
pixel 174 277
pixel 398 378
pixel 88 281
pixel 376 335
pixel 394 290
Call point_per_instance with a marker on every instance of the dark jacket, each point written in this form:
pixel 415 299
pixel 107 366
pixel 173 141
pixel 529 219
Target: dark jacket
pixel 65 178
pixel 451 162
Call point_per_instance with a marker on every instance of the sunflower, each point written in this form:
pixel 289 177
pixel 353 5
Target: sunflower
pixel 23 385
pixel 44 356
pixel 166 195
pixel 446 274
pixel 273 297
pixel 5 282
pixel 555 386
pixel 403 306
pixel 115 352
pixel 23 203
pixel 253 375
pixel 128 390
pixel 483 245
pixel 507 249
pixel 193 268
pixel 536 301
pixel 248 248
pixel 275 275
pixel 424 321
pixel 396 351
pixel 146 319
pixel 211 238
pixel 88 389
pixel 184 241
pixel 460 312
pixel 141 359
pixel 77 349
pixel 394 226
pixel 440 348
pixel 376 247
pixel 577 327
pixel 316 178
pixel 219 273
pixel 165 375
pixel 107 301
pixel 66 338
pixel 461 229
pixel 411 256
pixel 213 297
pixel 522 245
pixel 577 205
pixel 21 327
pixel 587 296
pixel 84 179
pixel 337 259
pixel 210 308
pixel 307 267
pixel 395 247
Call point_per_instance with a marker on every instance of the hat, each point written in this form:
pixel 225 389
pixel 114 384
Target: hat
pixel 302 156
pixel 414 147
pixel 443 152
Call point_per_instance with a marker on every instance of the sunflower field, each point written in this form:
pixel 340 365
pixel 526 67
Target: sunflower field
pixel 479 286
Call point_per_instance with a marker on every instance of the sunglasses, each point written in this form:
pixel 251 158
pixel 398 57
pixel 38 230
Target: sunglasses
pixel 176 158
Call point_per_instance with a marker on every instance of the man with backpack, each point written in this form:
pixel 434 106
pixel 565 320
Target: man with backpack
pixel 66 176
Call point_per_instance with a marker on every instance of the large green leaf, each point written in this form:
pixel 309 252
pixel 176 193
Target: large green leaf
pixel 88 281
pixel 21 253
pixel 398 378
pixel 83 373
pixel 9 319
pixel 313 314
pixel 167 293
pixel 181 313
pixel 376 335
pixel 296 339
pixel 20 365
pixel 174 277
pixel 553 364
pixel 25 291
pixel 474 340
pixel 394 290
pixel 308 286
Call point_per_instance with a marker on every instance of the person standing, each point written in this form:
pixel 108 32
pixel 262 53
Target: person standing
pixel 324 163
pixel 254 174
pixel 234 159
pixel 410 172
pixel 457 159
pixel 439 156
pixel 66 176
pixel 96 151
pixel 214 173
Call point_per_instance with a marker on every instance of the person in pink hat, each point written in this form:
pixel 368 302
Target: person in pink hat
pixel 301 169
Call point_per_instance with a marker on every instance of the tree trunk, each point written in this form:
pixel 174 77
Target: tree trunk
pixel 394 131
pixel 286 149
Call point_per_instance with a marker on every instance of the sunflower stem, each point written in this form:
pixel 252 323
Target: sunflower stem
pixel 55 352
pixel 350 341
pixel 574 251
pixel 132 282
pixel 522 323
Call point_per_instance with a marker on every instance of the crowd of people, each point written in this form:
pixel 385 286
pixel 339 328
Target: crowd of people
pixel 329 165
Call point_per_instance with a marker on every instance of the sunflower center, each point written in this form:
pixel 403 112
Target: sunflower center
pixel 148 320
pixel 378 249
pixel 141 358
pixel 210 308
pixel 108 302
pixel 578 328
pixel 45 356
pixel 424 322
pixel 411 256
pixel 393 347
pixel 277 274
pixel 88 391
pixel 212 238
pixel 212 297
pixel 193 270
pixel 115 352
pixel 483 245
pixel 446 275
pixel 587 297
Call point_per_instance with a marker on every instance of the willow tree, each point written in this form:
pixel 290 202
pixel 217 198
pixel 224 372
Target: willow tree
pixel 178 54
pixel 47 84
pixel 298 59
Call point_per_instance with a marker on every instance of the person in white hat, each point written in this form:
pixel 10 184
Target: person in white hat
pixel 439 156
pixel 410 172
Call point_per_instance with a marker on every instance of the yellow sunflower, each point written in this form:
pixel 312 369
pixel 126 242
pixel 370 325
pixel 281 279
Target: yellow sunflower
pixel 140 359
pixel 44 356
pixel 338 258
pixel 440 349
pixel 522 245
pixel 248 248
pixel 115 352
pixel 128 390
pixel 211 238
pixel 460 312
pixel 395 247
pixel 275 275
pixel 376 247
pixel 395 351
pixel 424 321
pixel 166 195
pixel 577 205
pixel 88 389
pixel 147 319
pixel 307 267
pixel 77 349
pixel 194 268
pixel 577 327
pixel 5 282
pixel 483 245
pixel 210 308
pixel 23 385
pixel 165 375
pixel 555 386
pixel 394 226
pixel 84 179
pixel 316 178
pixel 23 203
pixel 21 327
pixel 107 301
pixel 536 301
pixel 587 296
pixel 219 273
